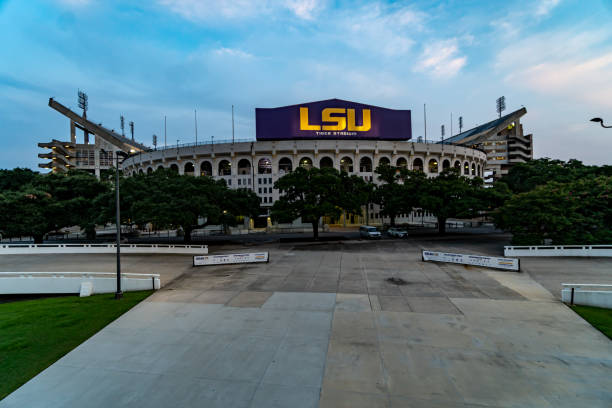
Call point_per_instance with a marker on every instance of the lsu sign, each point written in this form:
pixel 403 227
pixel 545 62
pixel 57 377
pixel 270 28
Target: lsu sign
pixel 332 119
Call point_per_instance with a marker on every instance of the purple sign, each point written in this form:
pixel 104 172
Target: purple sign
pixel 332 119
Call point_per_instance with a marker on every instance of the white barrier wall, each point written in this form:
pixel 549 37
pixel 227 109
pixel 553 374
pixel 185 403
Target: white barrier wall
pixel 559 250
pixel 17 283
pixel 477 260
pixel 588 295
pixel 36 249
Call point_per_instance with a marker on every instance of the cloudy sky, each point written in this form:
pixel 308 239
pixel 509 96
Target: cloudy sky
pixel 147 59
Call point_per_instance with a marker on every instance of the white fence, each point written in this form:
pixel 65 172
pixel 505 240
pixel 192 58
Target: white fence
pixel 559 250
pixel 14 283
pixel 597 295
pixel 36 249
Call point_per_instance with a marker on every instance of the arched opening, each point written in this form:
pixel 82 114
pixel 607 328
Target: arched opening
pixel 244 167
pixel 306 162
pixel 473 169
pixel 346 164
pixel 189 169
pixel 384 161
pixel 160 167
pixel 417 164
pixel 479 175
pixel 432 166
pixel 365 165
pixel 326 163
pixel 264 166
pixel 285 165
pixel 149 170
pixel 140 172
pixel 402 162
pixel 457 165
pixel 225 168
pixel 206 169
pixel 466 168
pixel 174 168
pixel 445 164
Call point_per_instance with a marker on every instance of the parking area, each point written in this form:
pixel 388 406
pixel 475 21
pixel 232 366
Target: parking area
pixel 321 325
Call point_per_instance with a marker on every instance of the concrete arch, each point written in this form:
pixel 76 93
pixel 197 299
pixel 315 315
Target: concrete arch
pixel 206 168
pixel 365 164
pixel 244 166
pixel 285 165
pixel 224 167
pixel 417 164
pixel 346 164
pixel 326 162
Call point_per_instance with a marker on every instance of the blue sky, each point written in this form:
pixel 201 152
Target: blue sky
pixel 168 57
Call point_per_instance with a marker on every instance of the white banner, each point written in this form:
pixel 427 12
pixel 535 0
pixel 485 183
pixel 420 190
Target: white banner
pixel 478 260
pixel 230 259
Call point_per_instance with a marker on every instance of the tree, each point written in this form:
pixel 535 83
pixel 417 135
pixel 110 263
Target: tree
pixel 315 193
pixel 27 212
pixel 579 212
pixel 167 199
pixel 398 193
pixel 526 176
pixel 451 195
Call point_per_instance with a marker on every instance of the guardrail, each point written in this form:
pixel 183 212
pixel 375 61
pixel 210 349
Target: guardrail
pixel 559 250
pixel 15 283
pixel 574 293
pixel 36 249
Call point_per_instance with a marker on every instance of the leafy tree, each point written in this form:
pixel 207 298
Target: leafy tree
pixel 526 176
pixel 315 193
pixel 399 191
pixel 167 199
pixel 579 212
pixel 451 195
pixel 17 179
pixel 27 212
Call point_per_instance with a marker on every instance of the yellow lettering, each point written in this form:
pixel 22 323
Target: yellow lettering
pixel 304 121
pixel 367 122
pixel 340 120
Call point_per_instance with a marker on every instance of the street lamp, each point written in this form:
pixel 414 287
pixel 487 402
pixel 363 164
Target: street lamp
pixel 600 120
pixel 119 293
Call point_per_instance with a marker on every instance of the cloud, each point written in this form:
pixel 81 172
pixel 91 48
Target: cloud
pixel 574 66
pixel 232 52
pixel 304 9
pixel 381 29
pixel 545 7
pixel 441 59
pixel 203 10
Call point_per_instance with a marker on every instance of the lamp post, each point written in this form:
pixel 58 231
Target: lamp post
pixel 119 293
pixel 600 120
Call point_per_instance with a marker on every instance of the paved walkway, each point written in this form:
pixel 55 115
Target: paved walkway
pixel 320 326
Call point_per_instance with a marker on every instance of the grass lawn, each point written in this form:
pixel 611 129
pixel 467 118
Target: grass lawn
pixel 36 333
pixel 599 318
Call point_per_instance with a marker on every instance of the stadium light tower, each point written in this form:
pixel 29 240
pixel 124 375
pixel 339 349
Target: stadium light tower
pixel 442 133
pixel 460 123
pixel 501 105
pixel 600 121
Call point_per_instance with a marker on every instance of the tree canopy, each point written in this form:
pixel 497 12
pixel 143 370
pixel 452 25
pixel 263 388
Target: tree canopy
pixel 399 191
pixel 315 193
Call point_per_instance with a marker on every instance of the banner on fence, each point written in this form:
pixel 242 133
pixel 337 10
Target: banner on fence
pixel 478 260
pixel 230 259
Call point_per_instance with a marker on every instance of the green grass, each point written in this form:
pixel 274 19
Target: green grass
pixel 36 333
pixel 599 318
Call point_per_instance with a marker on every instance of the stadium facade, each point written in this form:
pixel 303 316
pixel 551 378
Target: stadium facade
pixel 345 135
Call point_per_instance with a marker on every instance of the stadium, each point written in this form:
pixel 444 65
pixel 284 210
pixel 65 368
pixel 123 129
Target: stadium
pixel 348 136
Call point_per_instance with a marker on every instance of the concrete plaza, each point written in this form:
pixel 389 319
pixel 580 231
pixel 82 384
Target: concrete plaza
pixel 320 326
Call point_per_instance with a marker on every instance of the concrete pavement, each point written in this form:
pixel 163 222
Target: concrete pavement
pixel 320 326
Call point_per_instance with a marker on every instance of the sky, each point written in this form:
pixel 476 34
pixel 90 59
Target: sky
pixel 150 59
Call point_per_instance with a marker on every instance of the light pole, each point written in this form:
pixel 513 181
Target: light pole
pixel 600 120
pixel 119 293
